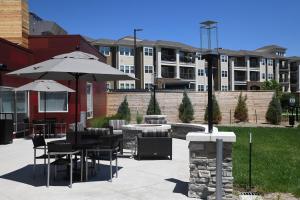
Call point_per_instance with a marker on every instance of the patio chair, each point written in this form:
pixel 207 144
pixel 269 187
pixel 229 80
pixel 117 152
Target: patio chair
pixel 59 149
pixel 106 150
pixel 39 144
pixel 116 126
pixel 154 144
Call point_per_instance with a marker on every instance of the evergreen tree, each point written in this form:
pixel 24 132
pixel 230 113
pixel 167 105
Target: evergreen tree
pixel 273 114
pixel 241 110
pixel 124 111
pixel 217 116
pixel 186 111
pixel 150 110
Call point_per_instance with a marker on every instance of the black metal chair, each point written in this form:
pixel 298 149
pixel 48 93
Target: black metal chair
pixel 106 150
pixel 58 149
pixel 39 144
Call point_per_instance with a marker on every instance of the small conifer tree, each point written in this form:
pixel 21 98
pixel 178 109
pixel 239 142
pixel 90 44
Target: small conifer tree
pixel 124 111
pixel 186 111
pixel 151 110
pixel 273 114
pixel 217 115
pixel 241 110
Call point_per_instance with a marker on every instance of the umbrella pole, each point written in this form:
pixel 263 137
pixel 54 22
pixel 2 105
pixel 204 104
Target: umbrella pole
pixel 76 106
pixel 45 107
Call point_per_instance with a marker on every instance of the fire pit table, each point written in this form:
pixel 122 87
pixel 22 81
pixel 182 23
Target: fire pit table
pixel 131 131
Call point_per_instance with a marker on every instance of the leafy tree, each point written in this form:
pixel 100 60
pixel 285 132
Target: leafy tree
pixel 273 114
pixel 150 110
pixel 124 111
pixel 217 115
pixel 272 85
pixel 241 110
pixel 186 111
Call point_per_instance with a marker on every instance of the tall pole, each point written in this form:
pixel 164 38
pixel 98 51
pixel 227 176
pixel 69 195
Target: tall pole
pixel 76 106
pixel 135 54
pixel 209 92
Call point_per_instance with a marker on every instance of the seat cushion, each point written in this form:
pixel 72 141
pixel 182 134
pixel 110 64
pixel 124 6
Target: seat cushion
pixel 117 123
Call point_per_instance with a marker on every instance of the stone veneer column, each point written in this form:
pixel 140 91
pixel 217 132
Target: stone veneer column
pixel 248 67
pixel 276 73
pixel 202 166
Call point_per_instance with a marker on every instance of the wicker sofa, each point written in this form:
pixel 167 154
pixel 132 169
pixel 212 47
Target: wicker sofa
pixel 154 144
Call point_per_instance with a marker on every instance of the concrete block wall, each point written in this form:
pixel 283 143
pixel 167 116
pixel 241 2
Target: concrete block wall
pixel 169 102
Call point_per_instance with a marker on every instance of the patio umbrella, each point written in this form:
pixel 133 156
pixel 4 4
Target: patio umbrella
pixel 76 66
pixel 44 86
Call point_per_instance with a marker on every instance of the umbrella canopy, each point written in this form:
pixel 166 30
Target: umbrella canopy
pixel 44 86
pixel 67 66
pixel 73 66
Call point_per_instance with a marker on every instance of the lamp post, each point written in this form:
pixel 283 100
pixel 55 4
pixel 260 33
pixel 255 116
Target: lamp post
pixel 154 92
pixel 209 26
pixel 134 49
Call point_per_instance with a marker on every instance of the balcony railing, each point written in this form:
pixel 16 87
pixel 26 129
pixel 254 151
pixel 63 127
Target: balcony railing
pixel 190 76
pixel 254 64
pixel 240 78
pixel 284 80
pixel 240 64
pixel 187 59
pixel 168 74
pixel 170 58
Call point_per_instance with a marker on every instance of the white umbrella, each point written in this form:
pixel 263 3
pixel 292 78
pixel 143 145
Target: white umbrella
pixel 44 86
pixel 77 66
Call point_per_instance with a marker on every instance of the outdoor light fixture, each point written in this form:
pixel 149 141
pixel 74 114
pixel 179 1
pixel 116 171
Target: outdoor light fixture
pixel 209 54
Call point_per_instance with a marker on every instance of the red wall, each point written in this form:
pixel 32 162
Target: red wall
pixel 42 48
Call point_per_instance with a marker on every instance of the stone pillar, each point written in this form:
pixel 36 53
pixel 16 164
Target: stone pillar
pixel 202 166
pixel 177 65
pixel 158 62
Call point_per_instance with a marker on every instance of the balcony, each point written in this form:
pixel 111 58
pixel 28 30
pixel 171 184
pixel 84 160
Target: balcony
pixel 186 57
pixel 168 72
pixel 283 65
pixel 168 55
pixel 240 76
pixel 240 62
pixel 254 76
pixel 254 63
pixel 187 73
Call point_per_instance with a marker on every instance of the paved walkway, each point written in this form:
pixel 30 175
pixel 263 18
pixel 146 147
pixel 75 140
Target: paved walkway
pixel 142 180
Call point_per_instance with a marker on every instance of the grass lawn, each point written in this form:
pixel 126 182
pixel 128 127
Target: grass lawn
pixel 275 159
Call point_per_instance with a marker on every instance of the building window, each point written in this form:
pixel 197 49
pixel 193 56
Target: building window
pixel 224 58
pixel 108 86
pixel 206 71
pixel 122 68
pixel 263 75
pixel 55 102
pixel 224 74
pixel 89 100
pixel 126 51
pixel 270 62
pixel 263 61
pixel 132 86
pixel 224 88
pixel 201 88
pixel 105 51
pixel 148 51
pixel 148 86
pixel 122 86
pixel 127 69
pixel 270 76
pixel 132 69
pixel 127 86
pixel 148 69
pixel 200 72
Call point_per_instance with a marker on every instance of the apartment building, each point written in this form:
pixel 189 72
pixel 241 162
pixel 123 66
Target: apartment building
pixel 174 65
pixel 171 65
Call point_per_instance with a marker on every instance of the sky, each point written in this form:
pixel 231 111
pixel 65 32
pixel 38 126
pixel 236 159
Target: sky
pixel 242 24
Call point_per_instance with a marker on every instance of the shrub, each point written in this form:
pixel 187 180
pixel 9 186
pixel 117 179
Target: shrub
pixel 217 116
pixel 273 114
pixel 102 122
pixel 124 111
pixel 186 111
pixel 241 110
pixel 150 110
pixel 272 85
pixel 139 117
